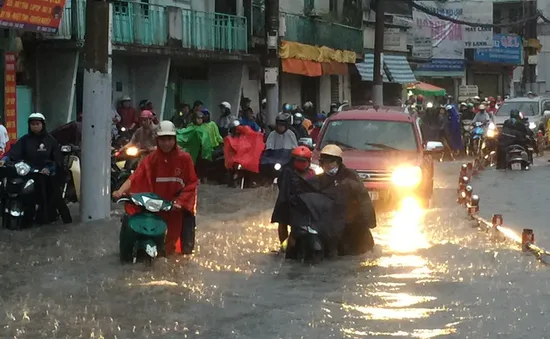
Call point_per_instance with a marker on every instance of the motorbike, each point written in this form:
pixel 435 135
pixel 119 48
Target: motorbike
pixel 467 136
pixel 477 138
pixel 490 142
pixel 308 245
pixel 271 163
pixel 517 158
pixel 142 234
pixel 71 163
pixel 118 174
pixel 18 195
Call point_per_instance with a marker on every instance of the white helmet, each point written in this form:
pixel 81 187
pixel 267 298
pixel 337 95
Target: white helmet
pixel 225 104
pixel 37 116
pixel 166 127
pixel 264 101
pixel 482 107
pixel 308 104
pixel 125 98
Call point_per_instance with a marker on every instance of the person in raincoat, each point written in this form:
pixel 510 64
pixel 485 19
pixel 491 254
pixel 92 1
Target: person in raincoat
pixel 455 130
pixel 282 137
pixel 41 151
pixel 298 127
pixel 242 147
pixel 181 119
pixel 213 130
pixel 317 125
pixel 168 172
pixel 247 119
pixel 290 183
pixel 195 139
pixel 350 196
pixel 226 118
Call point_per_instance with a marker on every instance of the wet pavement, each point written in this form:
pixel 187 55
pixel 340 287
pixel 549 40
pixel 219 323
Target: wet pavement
pixel 431 275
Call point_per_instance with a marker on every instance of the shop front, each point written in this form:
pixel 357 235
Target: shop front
pixel 492 69
pixel 448 74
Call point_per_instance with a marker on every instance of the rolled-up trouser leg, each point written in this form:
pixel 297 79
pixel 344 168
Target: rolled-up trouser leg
pixel 188 233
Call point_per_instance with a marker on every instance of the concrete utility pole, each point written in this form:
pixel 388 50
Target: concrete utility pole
pixel 378 86
pixel 271 59
pixel 97 116
pixel 529 77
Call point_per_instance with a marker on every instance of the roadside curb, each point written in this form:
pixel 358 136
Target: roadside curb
pixel 494 227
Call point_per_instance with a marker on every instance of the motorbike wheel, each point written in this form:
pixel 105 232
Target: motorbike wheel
pixel 10 222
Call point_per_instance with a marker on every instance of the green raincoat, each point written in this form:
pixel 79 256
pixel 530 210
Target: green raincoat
pixel 196 139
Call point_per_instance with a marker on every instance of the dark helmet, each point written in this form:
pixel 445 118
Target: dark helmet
pixel 144 104
pixel 283 119
pixel 516 114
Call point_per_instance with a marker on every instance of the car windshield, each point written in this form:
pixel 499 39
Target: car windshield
pixel 371 135
pixel 528 108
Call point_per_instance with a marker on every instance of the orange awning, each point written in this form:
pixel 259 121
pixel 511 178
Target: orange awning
pixel 334 68
pixel 302 67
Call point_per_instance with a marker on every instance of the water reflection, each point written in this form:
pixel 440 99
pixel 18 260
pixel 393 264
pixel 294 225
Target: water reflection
pixel 403 269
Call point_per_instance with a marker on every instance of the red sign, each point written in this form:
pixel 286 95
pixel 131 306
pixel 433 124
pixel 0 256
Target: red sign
pixel 32 15
pixel 10 95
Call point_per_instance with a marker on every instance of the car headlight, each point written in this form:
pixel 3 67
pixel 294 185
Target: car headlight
pixel 132 151
pixel 532 125
pixel 407 176
pixel 317 169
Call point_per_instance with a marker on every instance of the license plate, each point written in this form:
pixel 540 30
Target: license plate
pixel 374 195
pixel 516 166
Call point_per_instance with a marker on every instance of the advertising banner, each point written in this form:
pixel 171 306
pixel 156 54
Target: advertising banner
pixel 10 95
pixel 507 49
pixel 41 16
pixel 449 39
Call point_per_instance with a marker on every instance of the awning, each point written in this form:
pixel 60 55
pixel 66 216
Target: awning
pixel 302 67
pixel 398 69
pixel 366 69
pixel 426 89
pixel 334 68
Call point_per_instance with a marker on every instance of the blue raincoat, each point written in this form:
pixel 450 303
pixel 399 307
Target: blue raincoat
pixel 455 130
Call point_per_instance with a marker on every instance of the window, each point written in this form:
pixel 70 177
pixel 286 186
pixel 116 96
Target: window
pixel 122 8
pixel 334 88
pixel 371 135
pixel 528 108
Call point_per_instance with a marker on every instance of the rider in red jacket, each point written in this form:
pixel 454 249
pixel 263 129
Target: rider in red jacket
pixel 170 173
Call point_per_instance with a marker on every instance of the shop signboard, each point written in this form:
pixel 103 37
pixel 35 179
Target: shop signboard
pixel 478 12
pixel 43 16
pixel 443 65
pixel 10 94
pixel 507 49
pixel 467 91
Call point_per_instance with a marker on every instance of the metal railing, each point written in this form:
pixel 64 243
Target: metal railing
pixel 318 32
pixel 214 31
pixel 139 23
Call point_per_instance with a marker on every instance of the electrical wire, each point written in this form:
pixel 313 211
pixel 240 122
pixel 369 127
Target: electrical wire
pixel 430 12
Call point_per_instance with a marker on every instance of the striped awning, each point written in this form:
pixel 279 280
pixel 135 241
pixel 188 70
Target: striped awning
pixel 398 69
pixel 366 69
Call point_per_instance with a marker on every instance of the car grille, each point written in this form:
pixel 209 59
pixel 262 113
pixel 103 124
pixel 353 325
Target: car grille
pixel 375 176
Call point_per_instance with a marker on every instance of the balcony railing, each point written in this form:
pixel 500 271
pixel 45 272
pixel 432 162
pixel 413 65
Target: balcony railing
pixel 318 32
pixel 151 25
pixel 214 31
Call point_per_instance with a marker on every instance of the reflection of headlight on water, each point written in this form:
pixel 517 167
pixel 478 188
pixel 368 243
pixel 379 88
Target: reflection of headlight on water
pixel 406 234
pixel 407 176
pixel 318 169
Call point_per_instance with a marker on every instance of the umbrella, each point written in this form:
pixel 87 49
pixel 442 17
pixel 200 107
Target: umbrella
pixel 426 89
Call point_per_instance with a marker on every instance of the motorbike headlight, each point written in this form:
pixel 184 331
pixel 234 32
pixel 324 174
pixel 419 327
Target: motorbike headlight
pixel 132 151
pixel 318 169
pixel 66 149
pixel 407 176
pixel 532 125
pixel 153 205
pixel 123 129
pixel 491 133
pixel 22 168
pixel 277 166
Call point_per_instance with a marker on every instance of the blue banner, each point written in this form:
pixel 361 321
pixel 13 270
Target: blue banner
pixel 507 49
pixel 443 65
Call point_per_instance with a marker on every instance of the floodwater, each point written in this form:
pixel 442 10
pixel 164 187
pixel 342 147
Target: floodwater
pixel 431 275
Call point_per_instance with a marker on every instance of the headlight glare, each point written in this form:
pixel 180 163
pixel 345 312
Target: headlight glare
pixel 532 125
pixel 317 169
pixel 407 176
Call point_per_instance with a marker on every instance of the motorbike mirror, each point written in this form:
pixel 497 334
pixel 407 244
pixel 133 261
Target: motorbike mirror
pixel 434 146
pixel 125 199
pixel 308 142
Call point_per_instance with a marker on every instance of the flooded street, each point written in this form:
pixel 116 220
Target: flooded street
pixel 430 275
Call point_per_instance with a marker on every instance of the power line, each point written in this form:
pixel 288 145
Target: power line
pixel 430 12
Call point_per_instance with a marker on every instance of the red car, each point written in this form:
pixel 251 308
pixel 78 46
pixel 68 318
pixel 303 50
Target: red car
pixel 386 149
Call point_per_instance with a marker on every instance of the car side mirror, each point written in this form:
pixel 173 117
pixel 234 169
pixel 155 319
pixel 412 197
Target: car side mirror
pixel 434 146
pixel 546 112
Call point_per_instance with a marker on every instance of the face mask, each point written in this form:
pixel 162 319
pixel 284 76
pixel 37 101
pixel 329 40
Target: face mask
pixel 332 171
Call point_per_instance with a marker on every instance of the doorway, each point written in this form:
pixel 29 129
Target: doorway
pixel 226 7
pixel 310 91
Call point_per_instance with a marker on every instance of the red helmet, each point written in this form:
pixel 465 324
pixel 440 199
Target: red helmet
pixel 491 99
pixel 146 114
pixel 420 97
pixel 302 153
